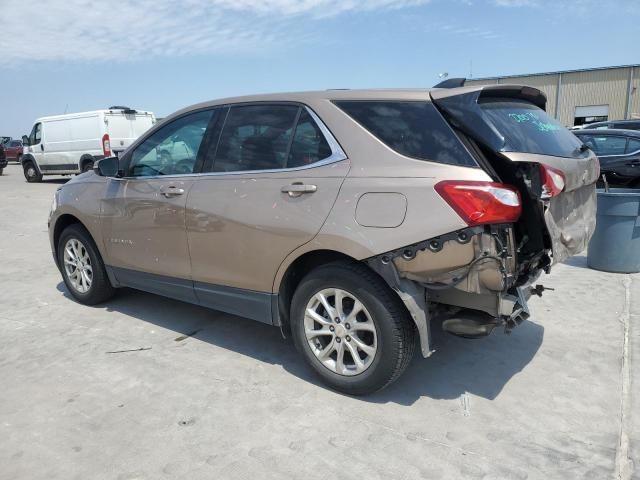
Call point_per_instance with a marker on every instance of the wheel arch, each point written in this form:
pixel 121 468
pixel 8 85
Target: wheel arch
pixel 295 272
pixel 27 157
pixel 62 222
pixel 84 159
pixel 411 295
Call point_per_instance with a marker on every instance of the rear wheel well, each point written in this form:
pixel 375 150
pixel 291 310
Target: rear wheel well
pixel 86 159
pixel 296 272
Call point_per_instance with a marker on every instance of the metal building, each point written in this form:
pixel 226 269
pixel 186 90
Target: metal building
pixel 576 97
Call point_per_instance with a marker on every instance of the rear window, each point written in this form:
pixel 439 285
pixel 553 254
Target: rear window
pixel 528 129
pixel 414 129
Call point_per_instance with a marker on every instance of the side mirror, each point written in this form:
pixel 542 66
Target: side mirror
pixel 25 140
pixel 107 167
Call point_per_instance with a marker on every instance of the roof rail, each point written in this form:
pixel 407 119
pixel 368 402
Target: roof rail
pixel 451 83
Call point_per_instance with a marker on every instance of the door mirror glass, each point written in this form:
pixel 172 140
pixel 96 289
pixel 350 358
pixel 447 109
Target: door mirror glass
pixel 25 140
pixel 107 167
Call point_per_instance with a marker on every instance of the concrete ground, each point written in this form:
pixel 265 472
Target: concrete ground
pixel 215 396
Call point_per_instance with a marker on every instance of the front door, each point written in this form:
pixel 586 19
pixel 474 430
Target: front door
pixel 144 212
pixel 267 189
pixel 36 144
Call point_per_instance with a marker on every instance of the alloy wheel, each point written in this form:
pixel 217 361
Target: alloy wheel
pixel 77 265
pixel 340 332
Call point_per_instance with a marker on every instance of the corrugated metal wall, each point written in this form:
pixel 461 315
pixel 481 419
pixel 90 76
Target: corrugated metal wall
pixel 601 87
pixel 585 88
pixel 634 111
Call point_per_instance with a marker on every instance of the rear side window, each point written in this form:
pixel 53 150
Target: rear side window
pixel 309 145
pixel 627 125
pixel 413 129
pixel 255 137
pixel 527 128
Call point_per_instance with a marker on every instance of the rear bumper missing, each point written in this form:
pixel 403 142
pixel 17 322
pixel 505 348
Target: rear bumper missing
pixel 474 268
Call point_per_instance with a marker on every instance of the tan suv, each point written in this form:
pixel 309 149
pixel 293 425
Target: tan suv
pixel 349 219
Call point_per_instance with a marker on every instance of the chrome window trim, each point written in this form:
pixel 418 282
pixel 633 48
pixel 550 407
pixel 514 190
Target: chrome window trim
pixel 337 155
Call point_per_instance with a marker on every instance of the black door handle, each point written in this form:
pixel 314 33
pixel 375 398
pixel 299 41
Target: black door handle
pixel 42 147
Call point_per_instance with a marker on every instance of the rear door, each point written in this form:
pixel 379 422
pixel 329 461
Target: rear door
pixel 124 128
pixel 274 175
pixel 510 124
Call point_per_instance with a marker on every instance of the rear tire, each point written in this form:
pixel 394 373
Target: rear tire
pixel 86 166
pixel 18 158
pixel 1 170
pixel 82 267
pixel 381 334
pixel 31 173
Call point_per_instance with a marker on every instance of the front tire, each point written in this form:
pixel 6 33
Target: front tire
pixel 31 173
pixel 351 328
pixel 82 267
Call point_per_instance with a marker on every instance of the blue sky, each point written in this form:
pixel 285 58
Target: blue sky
pixel 161 55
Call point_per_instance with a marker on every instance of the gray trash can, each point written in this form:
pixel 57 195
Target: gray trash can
pixel 615 245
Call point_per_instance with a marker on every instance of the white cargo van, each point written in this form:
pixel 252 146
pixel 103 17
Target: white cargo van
pixel 68 144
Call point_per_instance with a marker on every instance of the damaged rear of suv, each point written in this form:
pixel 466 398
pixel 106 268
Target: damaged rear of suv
pixel 350 219
pixel 536 208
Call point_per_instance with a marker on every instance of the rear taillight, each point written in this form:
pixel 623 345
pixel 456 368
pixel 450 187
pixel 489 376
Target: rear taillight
pixel 106 145
pixel 553 181
pixel 479 203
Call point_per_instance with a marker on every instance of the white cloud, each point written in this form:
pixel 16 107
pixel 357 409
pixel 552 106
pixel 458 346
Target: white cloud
pixel 78 30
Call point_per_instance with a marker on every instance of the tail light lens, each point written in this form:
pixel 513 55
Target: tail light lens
pixel 479 203
pixel 553 181
pixel 106 145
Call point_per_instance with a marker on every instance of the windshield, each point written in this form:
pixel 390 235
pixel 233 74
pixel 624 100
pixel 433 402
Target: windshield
pixel 528 129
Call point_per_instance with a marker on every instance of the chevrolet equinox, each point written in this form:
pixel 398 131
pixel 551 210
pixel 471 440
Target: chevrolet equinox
pixel 349 219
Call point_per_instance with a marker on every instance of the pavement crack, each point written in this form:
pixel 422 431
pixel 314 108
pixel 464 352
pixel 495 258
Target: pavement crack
pixel 623 462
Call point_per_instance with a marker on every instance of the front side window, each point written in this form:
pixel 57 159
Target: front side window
pixel 414 129
pixel 527 128
pixel 255 137
pixel 173 149
pixel 36 134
